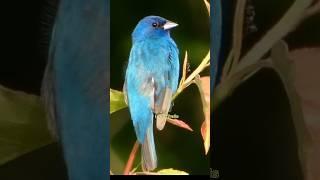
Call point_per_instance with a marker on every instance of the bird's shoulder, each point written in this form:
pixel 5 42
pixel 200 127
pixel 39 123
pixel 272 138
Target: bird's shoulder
pixel 155 47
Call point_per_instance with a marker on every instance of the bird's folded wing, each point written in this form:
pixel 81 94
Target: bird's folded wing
pixel 162 108
pixel 48 98
pixel 124 90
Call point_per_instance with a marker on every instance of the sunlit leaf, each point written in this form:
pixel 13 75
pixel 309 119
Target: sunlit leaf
pixel 23 126
pixel 117 101
pixel 179 123
pixel 132 156
pixel 207 3
pixel 171 171
pixel 203 84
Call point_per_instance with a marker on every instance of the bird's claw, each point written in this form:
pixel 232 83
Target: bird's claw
pixel 167 116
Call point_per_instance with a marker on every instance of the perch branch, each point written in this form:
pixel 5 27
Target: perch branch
pixel 132 156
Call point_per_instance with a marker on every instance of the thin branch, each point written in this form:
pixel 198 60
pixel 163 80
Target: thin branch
pixel 207 3
pixel 191 77
pixel 184 69
pixel 286 24
pixel 199 68
pixel 227 65
pixel 312 10
pixel 132 156
pixel 179 123
pixel 238 31
pixel 225 88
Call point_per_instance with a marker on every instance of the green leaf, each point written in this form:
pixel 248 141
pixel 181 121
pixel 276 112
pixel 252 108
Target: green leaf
pixel 23 126
pixel 117 101
pixel 171 171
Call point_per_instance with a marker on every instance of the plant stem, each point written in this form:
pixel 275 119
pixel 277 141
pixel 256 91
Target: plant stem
pixel 237 31
pixel 286 24
pixel 132 156
pixel 205 62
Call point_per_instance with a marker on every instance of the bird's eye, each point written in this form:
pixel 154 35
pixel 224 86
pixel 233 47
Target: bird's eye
pixel 154 24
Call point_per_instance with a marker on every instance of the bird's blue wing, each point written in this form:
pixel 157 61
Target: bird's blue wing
pixel 139 90
pixel 164 92
pixel 48 96
pixel 77 87
pixel 174 66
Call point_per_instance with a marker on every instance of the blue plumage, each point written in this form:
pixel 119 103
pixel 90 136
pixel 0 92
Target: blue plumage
pixel 75 87
pixel 153 69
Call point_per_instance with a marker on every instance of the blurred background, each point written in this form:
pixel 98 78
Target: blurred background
pixel 25 35
pixel 176 147
pixel 253 130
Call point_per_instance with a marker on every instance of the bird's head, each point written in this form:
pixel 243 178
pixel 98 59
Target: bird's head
pixel 152 27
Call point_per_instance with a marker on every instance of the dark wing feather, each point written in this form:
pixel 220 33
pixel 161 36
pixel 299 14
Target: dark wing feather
pixel 48 96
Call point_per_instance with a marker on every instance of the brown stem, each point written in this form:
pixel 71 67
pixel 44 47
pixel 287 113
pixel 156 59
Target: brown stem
pixel 237 31
pixel 314 9
pixel 132 156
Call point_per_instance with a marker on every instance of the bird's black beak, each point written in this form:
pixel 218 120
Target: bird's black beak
pixel 169 25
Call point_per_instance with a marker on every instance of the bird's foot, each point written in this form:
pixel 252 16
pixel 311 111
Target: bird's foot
pixel 167 116
pixel 173 116
pixel 162 119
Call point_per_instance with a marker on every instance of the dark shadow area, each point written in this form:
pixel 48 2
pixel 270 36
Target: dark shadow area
pixel 22 58
pixel 25 35
pixel 43 164
pixel 254 135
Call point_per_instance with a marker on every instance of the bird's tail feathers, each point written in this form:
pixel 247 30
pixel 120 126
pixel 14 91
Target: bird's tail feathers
pixel 149 156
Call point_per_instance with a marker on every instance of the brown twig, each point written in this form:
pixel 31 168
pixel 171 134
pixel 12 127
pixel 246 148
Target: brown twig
pixel 130 161
pixel 179 123
pixel 314 9
pixel 238 31
pixel 184 69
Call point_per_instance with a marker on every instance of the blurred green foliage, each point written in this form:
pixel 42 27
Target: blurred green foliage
pixel 259 131
pixel 22 124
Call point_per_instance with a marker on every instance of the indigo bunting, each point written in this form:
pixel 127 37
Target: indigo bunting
pixel 151 78
pixel 75 87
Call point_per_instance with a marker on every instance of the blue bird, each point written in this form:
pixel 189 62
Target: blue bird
pixel 75 87
pixel 151 79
